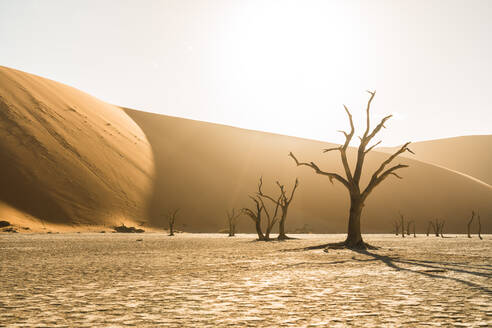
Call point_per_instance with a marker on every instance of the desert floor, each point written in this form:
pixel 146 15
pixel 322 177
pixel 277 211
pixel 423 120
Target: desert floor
pixel 210 280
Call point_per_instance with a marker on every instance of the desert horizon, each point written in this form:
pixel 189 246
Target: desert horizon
pixel 232 163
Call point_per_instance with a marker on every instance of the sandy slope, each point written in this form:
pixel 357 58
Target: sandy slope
pixel 66 157
pixel 206 168
pixel 471 155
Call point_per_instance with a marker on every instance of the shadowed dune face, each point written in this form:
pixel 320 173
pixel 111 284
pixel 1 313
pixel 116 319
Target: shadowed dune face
pixel 206 169
pixel 471 155
pixel 67 157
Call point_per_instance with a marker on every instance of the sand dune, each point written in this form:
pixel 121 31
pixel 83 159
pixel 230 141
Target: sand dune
pixel 471 155
pixel 67 158
pixel 206 168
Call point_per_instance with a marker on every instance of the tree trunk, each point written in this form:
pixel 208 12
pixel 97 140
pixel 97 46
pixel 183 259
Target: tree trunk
pixel 479 227
pixel 281 227
pixel 171 229
pixel 354 237
pixel 258 230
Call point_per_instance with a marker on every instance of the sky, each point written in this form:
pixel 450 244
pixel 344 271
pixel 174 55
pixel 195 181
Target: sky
pixel 279 66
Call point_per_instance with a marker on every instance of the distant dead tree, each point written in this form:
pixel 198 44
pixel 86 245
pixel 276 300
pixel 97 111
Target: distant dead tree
pixel 428 228
pixel 437 227
pixel 441 228
pixel 409 223
pixel 283 201
pixel 271 220
pixel 469 223
pixel 255 215
pixel 414 235
pixel 351 181
pixel 396 224
pixel 402 224
pixel 232 220
pixel 171 220
pixel 479 227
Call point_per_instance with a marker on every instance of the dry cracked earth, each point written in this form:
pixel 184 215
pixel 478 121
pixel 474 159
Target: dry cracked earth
pixel 210 280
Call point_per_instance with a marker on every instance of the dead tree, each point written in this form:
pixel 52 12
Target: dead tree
pixel 283 201
pixel 469 223
pixel 232 220
pixel 441 228
pixel 271 220
pixel 409 223
pixel 351 181
pixel 414 235
pixel 397 227
pixel 435 226
pixel 479 227
pixel 255 215
pixel 402 226
pixel 171 220
pixel 428 228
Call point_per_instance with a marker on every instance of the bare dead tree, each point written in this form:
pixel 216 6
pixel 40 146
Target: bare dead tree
pixel 441 228
pixel 255 215
pixel 409 223
pixel 402 219
pixel 171 220
pixel 414 235
pixel 271 219
pixel 469 224
pixel 232 220
pixel 283 201
pixel 479 227
pixel 435 227
pixel 397 227
pixel 428 228
pixel 351 181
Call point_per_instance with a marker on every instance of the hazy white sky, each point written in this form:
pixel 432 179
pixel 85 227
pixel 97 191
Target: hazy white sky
pixel 281 66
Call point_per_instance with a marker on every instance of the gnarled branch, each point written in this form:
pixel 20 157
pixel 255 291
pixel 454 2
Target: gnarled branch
pixel 330 175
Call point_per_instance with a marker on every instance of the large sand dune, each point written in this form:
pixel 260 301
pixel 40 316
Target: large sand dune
pixel 205 169
pixel 66 157
pixel 70 159
pixel 471 155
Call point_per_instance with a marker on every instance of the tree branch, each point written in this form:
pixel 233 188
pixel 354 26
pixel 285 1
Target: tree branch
pixel 330 175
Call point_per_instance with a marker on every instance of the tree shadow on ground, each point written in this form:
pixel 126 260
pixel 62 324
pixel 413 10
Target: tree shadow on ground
pixel 428 268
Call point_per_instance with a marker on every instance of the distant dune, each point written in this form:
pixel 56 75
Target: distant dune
pixel 206 168
pixel 471 155
pixel 69 159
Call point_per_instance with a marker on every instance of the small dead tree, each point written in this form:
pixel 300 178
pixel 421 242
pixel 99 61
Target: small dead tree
pixel 479 227
pixel 232 220
pixel 351 181
pixel 414 235
pixel 435 227
pixel 283 201
pixel 441 228
pixel 469 223
pixel 255 215
pixel 428 228
pixel 409 223
pixel 271 220
pixel 396 224
pixel 402 224
pixel 171 220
